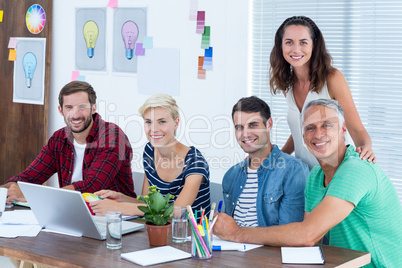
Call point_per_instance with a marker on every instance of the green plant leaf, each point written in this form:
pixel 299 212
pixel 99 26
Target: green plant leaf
pixel 144 209
pixel 159 220
pixel 157 202
pixel 168 211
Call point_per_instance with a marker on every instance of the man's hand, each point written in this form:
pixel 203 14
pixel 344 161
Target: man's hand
pixel 100 207
pixel 14 193
pixel 225 227
pixel 109 194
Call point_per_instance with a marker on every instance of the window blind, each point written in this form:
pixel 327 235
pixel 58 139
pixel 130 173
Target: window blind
pixel 364 39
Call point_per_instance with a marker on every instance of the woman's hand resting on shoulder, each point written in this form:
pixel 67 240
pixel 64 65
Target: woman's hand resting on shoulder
pixel 366 152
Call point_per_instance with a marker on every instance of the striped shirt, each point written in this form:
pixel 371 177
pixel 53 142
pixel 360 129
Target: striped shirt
pixel 194 163
pixel 245 213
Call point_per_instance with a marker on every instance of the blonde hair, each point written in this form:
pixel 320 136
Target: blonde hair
pixel 160 100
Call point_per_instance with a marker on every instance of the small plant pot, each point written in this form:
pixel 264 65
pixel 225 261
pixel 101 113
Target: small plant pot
pixel 157 235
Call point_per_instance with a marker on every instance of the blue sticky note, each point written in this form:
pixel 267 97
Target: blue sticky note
pixel 148 42
pixel 207 65
pixel 209 52
pixel 81 78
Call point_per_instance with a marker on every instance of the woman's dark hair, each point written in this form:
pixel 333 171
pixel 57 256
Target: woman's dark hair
pixel 281 74
pixel 253 104
pixel 77 86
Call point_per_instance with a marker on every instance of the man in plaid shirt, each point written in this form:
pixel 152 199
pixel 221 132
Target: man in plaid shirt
pixel 88 154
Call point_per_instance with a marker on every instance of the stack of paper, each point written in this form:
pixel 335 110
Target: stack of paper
pixel 155 255
pixel 18 223
pixel 302 255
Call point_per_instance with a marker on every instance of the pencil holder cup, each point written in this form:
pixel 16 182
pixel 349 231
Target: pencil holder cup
pixel 201 245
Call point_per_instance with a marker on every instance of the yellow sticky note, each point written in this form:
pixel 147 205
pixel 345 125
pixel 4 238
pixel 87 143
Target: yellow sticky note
pixel 12 56
pixel 1 15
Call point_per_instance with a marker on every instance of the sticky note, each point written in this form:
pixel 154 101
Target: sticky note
pixel 1 15
pixel 193 9
pixel 112 3
pixel 148 42
pixel 12 43
pixel 139 51
pixel 74 75
pixel 200 22
pixel 201 72
pixel 208 52
pixel 207 31
pixel 12 56
pixel 207 64
pixel 81 78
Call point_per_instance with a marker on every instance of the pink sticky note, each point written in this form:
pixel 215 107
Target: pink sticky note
pixel 12 43
pixel 74 75
pixel 201 16
pixel 193 9
pixel 112 3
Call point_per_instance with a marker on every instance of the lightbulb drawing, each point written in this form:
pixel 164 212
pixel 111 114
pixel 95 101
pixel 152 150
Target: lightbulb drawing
pixel 129 32
pixel 29 64
pixel 91 32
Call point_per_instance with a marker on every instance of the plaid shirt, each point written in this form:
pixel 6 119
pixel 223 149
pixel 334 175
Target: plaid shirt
pixel 106 165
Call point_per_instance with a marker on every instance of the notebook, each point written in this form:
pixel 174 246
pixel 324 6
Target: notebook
pixel 302 255
pixel 65 211
pixel 155 255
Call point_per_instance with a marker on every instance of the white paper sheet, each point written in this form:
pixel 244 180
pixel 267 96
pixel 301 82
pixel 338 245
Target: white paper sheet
pixel 220 242
pixel 159 71
pixel 155 255
pixel 14 230
pixel 18 217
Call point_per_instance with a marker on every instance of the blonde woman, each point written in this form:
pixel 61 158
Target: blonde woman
pixel 170 165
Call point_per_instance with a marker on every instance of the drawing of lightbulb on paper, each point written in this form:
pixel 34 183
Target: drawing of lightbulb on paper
pixel 129 32
pixel 29 64
pixel 91 32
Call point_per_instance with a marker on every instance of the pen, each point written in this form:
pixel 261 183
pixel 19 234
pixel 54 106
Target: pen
pixel 220 206
pixel 211 213
pixel 212 225
pixel 229 247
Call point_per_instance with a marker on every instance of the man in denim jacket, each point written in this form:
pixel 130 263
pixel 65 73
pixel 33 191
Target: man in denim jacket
pixel 268 187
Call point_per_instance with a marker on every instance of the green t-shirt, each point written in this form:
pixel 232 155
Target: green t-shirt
pixel 375 224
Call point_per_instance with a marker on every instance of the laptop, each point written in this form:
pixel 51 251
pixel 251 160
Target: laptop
pixel 65 211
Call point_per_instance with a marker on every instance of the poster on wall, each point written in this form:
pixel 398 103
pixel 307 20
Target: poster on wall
pixel 29 71
pixel 129 28
pixel 90 39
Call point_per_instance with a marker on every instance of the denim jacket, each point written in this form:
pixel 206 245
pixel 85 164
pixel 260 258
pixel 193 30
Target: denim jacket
pixel 281 183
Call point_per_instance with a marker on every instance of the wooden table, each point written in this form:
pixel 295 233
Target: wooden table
pixel 56 250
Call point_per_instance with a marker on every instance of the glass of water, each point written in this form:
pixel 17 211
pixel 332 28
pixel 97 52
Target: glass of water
pixel 179 224
pixel 113 229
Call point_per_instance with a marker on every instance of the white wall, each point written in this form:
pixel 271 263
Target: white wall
pixel 206 104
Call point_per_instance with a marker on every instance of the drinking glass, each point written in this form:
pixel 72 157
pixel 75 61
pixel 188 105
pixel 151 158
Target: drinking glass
pixel 113 229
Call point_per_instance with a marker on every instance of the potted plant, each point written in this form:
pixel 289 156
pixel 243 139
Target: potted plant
pixel 156 215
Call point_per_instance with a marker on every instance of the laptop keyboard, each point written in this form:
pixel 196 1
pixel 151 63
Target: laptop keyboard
pixel 101 224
